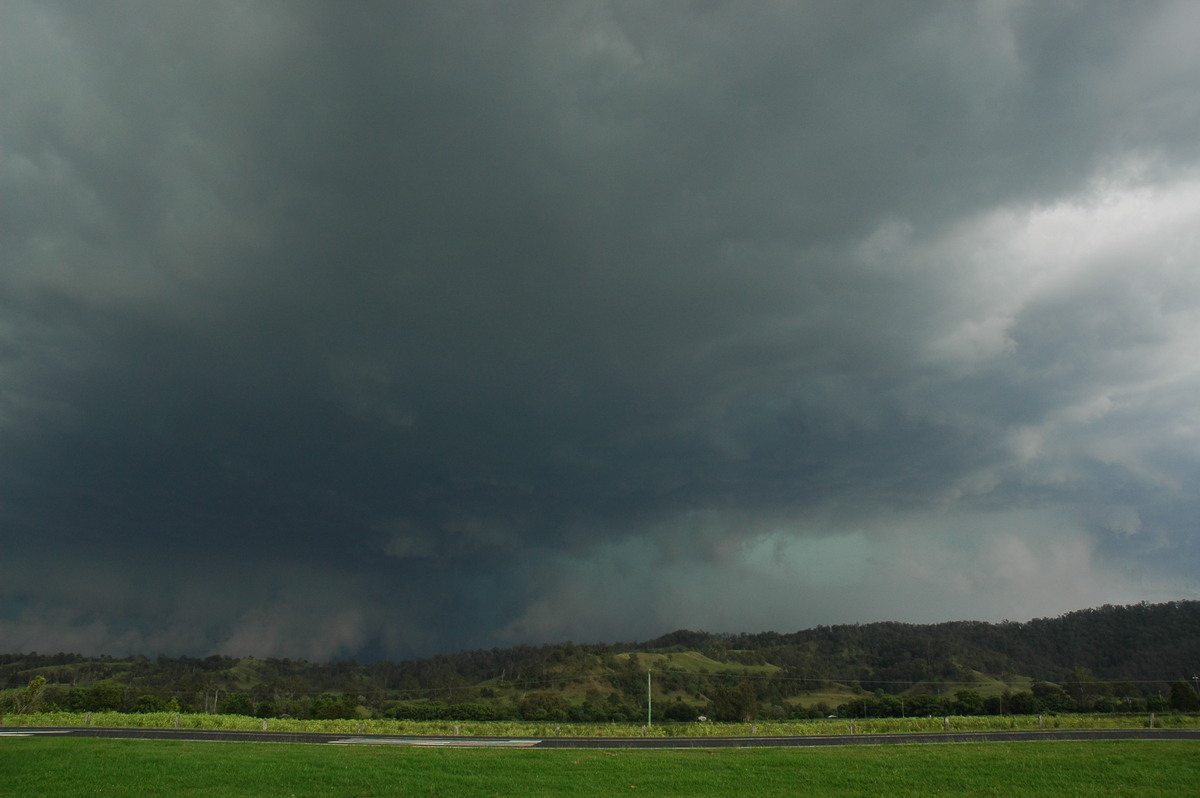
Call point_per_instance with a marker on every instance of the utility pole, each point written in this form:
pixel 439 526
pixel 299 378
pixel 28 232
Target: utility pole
pixel 649 698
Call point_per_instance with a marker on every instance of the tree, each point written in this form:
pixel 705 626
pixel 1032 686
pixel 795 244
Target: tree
pixel 1022 703
pixel 968 702
pixel 877 705
pixel 1052 698
pixel 95 698
pixel 421 710
pixel 680 711
pixel 1184 697
pixel 472 710
pixel 733 704
pixel 29 699
pixel 541 705
pixel 1083 687
pixel 329 707
pixel 149 703
pixel 924 705
pixel 237 704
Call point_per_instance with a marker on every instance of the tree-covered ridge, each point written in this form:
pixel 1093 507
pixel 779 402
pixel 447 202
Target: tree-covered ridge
pixel 1109 658
pixel 1137 642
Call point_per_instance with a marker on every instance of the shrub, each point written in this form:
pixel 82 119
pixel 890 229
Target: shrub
pixel 968 702
pixel 1184 697
pixel 540 705
pixel 237 704
pixel 472 711
pixel 30 699
pixel 149 703
pixel 420 710
pixel 330 707
pixel 1022 703
pixel 679 711
pixel 98 697
pixel 1052 698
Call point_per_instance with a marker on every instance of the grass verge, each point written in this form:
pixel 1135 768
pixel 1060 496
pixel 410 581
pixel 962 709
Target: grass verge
pixel 94 767
pixel 166 720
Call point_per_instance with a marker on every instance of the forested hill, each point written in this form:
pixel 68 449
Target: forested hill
pixel 1124 652
pixel 1134 643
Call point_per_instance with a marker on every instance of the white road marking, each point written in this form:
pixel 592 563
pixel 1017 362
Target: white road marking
pixel 441 742
pixel 30 732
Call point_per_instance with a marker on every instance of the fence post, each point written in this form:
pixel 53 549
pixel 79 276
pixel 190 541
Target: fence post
pixel 87 720
pixel 176 720
pixel 1151 720
pixel 1041 722
pixel 456 732
pixel 264 724
pixel 946 723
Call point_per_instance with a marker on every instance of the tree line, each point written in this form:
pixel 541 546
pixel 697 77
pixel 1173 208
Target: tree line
pixel 1110 659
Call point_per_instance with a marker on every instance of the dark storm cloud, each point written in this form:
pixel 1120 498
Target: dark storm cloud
pixel 335 328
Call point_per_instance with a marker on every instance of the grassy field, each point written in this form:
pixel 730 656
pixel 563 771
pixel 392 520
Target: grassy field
pixel 695 662
pixel 166 720
pixel 93 767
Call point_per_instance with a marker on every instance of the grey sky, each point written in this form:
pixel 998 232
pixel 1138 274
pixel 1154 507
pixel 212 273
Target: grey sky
pixel 380 329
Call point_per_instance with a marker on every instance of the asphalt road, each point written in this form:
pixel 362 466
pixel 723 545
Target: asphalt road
pixel 600 742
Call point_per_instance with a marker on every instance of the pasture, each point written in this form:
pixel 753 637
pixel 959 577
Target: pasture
pixel 764 728
pixel 95 767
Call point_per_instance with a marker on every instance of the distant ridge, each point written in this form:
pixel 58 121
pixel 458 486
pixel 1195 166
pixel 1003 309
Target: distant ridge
pixel 1128 652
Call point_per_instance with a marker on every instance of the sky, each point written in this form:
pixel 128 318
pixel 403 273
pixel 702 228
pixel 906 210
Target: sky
pixel 378 330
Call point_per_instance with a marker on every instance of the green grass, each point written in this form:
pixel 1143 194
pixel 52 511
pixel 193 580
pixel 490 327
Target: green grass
pixel 762 728
pixel 981 683
pixel 93 767
pixel 695 662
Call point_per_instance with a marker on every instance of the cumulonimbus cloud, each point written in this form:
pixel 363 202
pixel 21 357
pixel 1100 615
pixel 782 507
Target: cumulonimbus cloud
pixel 454 310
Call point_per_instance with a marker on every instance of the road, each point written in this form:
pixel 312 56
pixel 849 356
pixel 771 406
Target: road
pixel 599 742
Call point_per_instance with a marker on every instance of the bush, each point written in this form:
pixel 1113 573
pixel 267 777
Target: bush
pixel 1184 697
pixel 732 704
pixel 29 699
pixel 1052 698
pixel 237 704
pixel 420 710
pixel 925 705
pixel 149 703
pixel 472 711
pixel 968 702
pixel 681 712
pixel 331 707
pixel 98 697
pixel 1023 703
pixel 543 706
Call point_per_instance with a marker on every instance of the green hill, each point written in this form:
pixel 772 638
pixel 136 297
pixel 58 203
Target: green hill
pixel 1109 657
